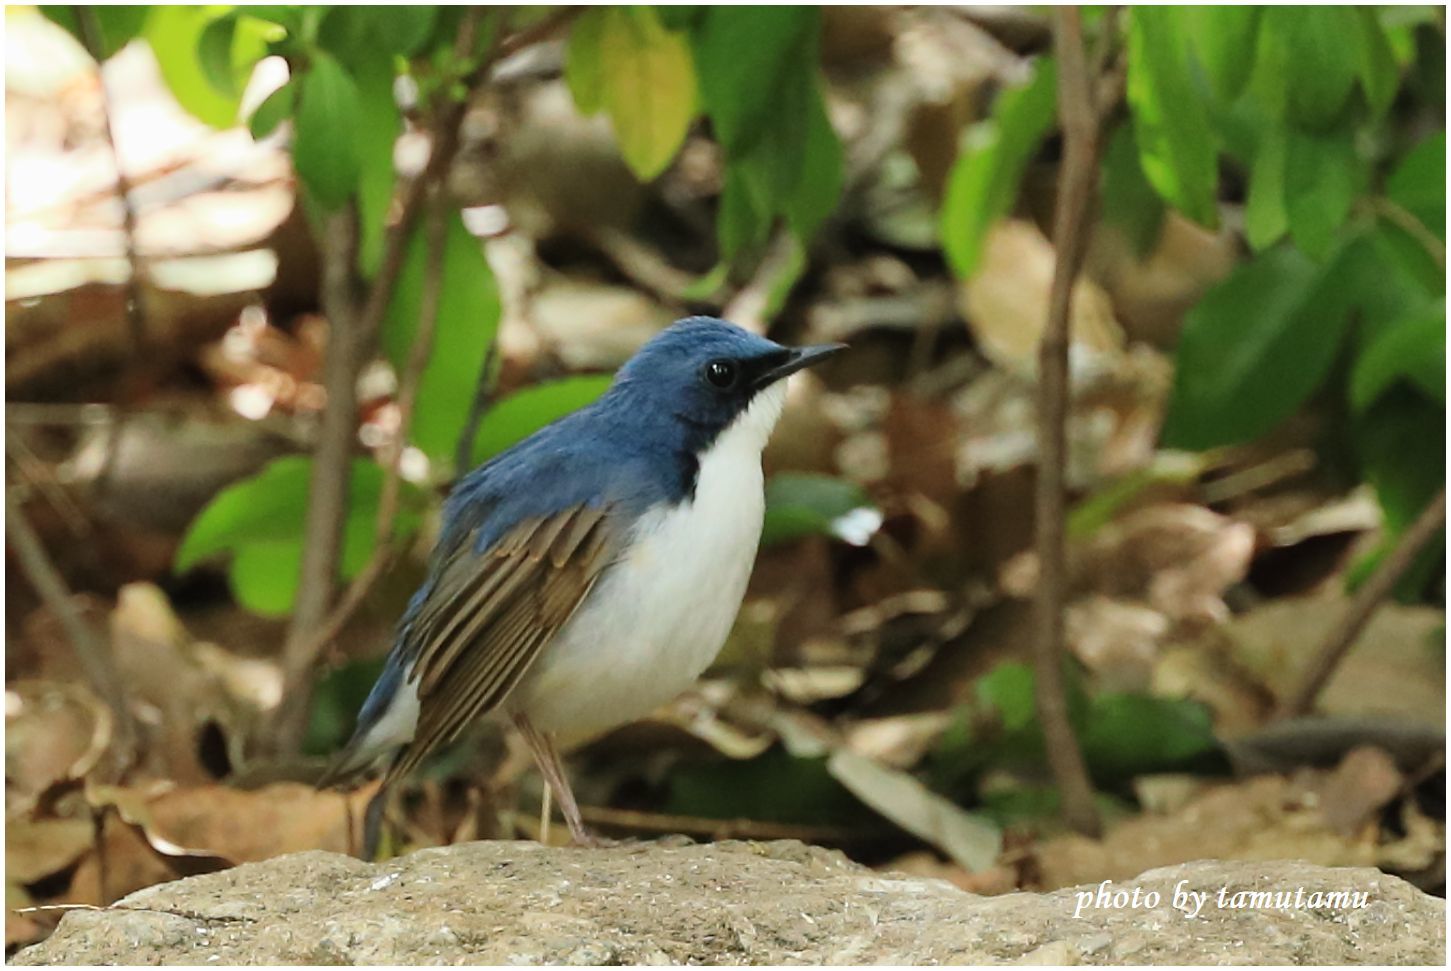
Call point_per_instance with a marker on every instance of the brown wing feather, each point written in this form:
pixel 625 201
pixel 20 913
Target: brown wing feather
pixel 490 616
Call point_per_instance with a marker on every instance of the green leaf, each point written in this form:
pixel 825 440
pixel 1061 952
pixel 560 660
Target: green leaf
pixel 273 111
pixel 1223 40
pixel 1129 202
pixel 259 522
pixel 1401 440
pixel 775 786
pixel 680 17
pixel 1413 350
pixel 1266 220
pixel 582 70
pixel 401 29
pixel 1320 184
pixel 1322 59
pixel 264 576
pixel 1176 142
pixel 379 126
pixel 1255 347
pixel 1126 735
pixel 214 51
pixel 798 504
pixel 648 84
pixel 819 181
pixel 268 506
pixel 1418 184
pixel 326 149
pixel 1009 689
pixel 468 317
pixel 523 413
pixel 174 34
pixel 743 222
pixel 117 26
pixel 743 55
pixel 984 181
pixel 1376 65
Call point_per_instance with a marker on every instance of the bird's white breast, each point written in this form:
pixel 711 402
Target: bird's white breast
pixel 660 615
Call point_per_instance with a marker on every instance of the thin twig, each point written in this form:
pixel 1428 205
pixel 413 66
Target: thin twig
pixel 464 451
pixel 435 239
pixel 384 539
pixel 91 649
pixel 135 312
pixel 1071 223
pixel 1411 226
pixel 1363 605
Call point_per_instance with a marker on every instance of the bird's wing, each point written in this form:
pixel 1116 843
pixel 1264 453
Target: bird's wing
pixel 490 614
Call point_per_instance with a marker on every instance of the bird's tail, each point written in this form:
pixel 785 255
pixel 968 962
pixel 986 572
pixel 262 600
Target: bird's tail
pixel 348 767
pixel 385 726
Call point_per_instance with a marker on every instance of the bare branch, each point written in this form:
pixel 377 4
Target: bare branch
pixel 135 311
pixel 1362 606
pixel 384 541
pixel 327 501
pixel 91 649
pixel 1071 223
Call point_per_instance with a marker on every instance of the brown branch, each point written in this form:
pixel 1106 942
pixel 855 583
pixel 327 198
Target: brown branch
pixel 135 312
pixel 327 501
pixel 1071 223
pixel 1363 605
pixel 91 649
pixel 384 540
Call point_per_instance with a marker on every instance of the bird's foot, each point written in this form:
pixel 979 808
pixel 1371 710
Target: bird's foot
pixel 585 839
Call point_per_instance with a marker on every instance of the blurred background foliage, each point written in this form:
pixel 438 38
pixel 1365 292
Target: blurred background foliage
pixel 1258 409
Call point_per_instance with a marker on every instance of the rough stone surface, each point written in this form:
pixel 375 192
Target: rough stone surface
pixel 723 903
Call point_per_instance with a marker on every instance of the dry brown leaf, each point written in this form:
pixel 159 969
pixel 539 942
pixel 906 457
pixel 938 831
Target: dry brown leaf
pixel 898 741
pixel 1116 639
pixel 1263 818
pixel 1397 666
pixel 37 848
pixel 970 840
pixel 1177 557
pixel 1006 300
pixel 1364 783
pixel 53 732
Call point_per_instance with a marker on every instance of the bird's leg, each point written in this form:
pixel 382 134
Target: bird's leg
pixel 544 814
pixel 547 759
pixel 373 824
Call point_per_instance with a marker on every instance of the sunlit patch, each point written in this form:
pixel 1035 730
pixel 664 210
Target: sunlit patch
pixel 251 401
pixel 858 526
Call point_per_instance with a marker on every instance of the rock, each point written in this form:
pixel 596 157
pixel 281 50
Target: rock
pixel 733 903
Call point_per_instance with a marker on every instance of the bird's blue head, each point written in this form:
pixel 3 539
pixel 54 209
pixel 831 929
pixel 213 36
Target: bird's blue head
pixel 708 374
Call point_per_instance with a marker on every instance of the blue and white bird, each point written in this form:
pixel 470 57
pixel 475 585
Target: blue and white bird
pixel 590 573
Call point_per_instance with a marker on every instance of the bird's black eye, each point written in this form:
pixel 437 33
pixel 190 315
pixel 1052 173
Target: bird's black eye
pixel 720 374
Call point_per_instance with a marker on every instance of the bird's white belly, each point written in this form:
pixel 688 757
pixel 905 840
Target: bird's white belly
pixel 658 618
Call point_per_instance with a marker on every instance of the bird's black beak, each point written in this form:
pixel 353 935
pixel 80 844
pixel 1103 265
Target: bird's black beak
pixel 796 358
